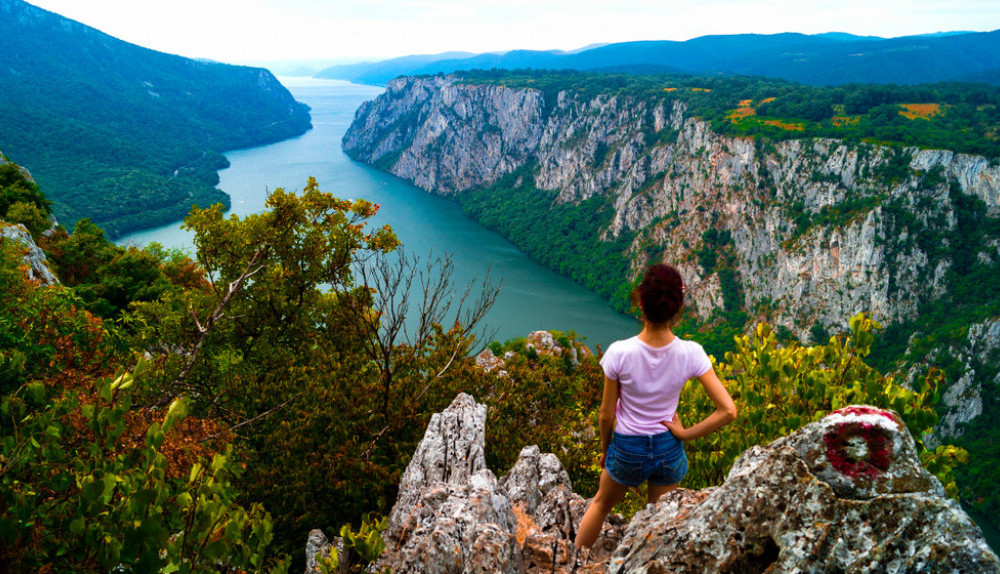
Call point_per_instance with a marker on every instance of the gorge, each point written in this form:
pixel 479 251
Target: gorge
pixel 802 233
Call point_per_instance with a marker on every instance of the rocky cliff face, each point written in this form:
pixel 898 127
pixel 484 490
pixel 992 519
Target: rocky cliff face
pixel 820 229
pixel 845 494
pixel 35 264
pixel 801 233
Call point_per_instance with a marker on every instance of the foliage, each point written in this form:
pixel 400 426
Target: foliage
pixel 779 389
pixel 90 481
pixel 127 136
pixel 563 237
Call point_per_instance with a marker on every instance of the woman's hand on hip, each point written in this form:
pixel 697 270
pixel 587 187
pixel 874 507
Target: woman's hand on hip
pixel 675 427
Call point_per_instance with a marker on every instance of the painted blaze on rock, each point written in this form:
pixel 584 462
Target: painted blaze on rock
pixel 861 445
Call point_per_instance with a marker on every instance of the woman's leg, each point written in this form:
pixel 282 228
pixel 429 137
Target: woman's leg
pixel 609 493
pixel 655 491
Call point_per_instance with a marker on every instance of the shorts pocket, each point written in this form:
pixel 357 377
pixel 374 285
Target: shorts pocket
pixel 625 467
pixel 670 469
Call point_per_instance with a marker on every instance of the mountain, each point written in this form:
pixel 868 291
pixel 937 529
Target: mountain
pixel 127 136
pixel 770 217
pixel 823 59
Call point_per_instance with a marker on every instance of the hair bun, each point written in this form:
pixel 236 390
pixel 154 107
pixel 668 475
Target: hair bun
pixel 660 294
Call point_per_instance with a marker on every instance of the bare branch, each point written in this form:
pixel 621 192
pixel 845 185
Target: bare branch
pixel 252 268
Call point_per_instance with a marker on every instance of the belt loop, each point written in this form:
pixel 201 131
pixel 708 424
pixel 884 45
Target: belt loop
pixel 649 441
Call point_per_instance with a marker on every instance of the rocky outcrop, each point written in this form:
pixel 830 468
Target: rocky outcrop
pixel 453 515
pixel 35 264
pixel 845 494
pixel 962 401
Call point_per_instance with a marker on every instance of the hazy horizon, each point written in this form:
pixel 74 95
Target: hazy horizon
pixel 261 31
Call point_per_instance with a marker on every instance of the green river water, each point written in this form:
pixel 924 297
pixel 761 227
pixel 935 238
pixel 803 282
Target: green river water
pixel 533 297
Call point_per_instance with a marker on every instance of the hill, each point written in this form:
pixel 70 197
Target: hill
pixel 823 59
pixel 127 136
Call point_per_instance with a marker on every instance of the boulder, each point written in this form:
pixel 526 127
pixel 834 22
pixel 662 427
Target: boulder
pixel 450 516
pixel 844 494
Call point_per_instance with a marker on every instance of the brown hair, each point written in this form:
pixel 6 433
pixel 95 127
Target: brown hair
pixel 660 295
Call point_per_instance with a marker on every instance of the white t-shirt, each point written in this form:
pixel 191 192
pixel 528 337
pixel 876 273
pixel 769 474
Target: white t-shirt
pixel 650 380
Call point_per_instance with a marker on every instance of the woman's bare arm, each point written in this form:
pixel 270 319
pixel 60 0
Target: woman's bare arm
pixel 609 402
pixel 725 411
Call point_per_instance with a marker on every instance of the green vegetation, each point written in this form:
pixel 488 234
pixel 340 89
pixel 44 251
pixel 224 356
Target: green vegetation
pixel 128 137
pixel 562 236
pixel 209 425
pixel 966 117
pixel 780 388
pixel 266 374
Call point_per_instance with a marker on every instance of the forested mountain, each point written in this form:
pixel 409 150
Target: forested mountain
pixel 824 59
pixel 794 205
pixel 127 136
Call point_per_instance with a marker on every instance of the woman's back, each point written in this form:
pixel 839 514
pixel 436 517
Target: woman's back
pixel 651 379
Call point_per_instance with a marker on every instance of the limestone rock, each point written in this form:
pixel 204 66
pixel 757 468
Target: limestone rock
pixel 35 263
pixel 450 515
pixel 845 494
pixel 318 548
pixel 548 512
pixel 487 361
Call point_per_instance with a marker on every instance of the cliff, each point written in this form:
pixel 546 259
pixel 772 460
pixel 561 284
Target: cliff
pixel 844 494
pixel 802 233
pixel 449 137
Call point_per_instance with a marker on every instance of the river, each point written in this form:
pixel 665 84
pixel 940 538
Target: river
pixel 533 297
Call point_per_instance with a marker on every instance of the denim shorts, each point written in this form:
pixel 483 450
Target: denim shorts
pixel 633 459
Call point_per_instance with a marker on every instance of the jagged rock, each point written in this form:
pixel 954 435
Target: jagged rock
pixel 548 512
pixel 845 494
pixel 35 263
pixel 487 361
pixel 318 547
pixel 450 515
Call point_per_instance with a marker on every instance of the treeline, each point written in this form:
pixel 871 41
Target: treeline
pixel 954 116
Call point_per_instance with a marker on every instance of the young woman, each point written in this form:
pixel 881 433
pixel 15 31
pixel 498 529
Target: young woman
pixel 643 378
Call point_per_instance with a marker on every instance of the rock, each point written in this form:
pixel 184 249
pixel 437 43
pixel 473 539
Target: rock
pixel 487 361
pixel 548 512
pixel 318 548
pixel 35 263
pixel 450 515
pixel 845 494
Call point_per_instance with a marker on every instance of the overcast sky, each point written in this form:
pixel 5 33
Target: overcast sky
pixel 256 31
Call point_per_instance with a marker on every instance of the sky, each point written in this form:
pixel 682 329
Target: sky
pixel 259 31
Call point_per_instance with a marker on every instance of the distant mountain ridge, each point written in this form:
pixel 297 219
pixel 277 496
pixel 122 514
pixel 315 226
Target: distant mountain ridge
pixel 127 136
pixel 823 59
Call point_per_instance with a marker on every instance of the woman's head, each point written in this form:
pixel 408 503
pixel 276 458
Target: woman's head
pixel 660 295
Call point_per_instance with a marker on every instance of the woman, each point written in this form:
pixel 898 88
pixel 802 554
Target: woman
pixel 643 378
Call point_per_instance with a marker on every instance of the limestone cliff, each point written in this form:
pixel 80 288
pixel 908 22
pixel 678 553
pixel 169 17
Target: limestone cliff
pixel 793 255
pixel 802 233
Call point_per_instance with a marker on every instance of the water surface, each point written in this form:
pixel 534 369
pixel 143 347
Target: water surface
pixel 533 297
